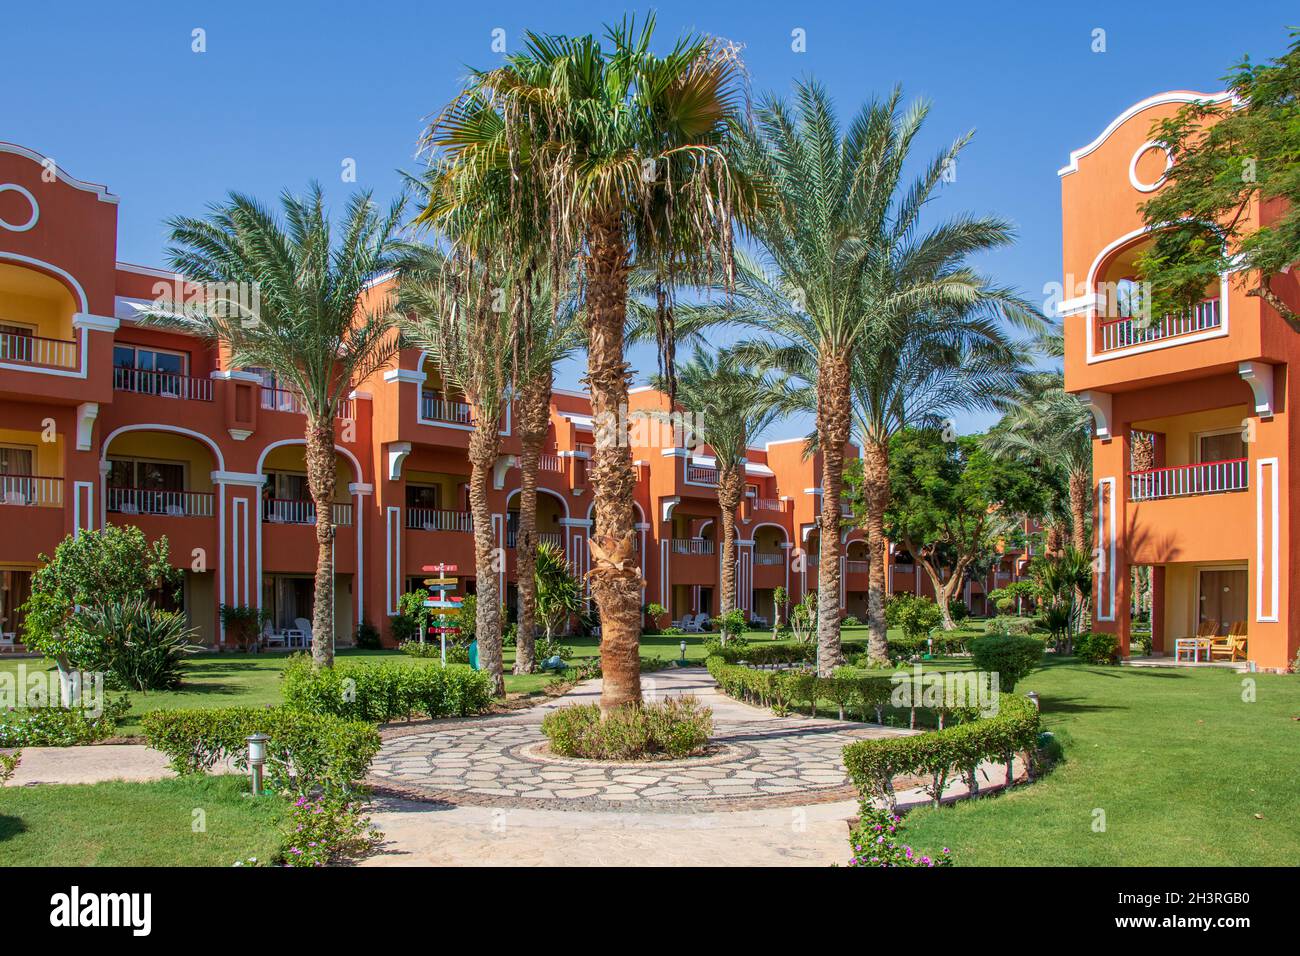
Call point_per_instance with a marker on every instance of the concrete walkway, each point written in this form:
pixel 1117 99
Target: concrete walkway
pixel 93 764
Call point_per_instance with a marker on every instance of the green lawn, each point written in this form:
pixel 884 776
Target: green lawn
pixel 1186 772
pixel 138 824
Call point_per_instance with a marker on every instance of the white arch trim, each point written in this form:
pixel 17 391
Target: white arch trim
pixel 83 304
pixel 177 429
pixel 769 524
pixel 357 474
pixel 101 192
pixel 1173 96
pixel 542 491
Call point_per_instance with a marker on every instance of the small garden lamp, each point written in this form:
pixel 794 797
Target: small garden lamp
pixel 256 759
pixel 683 647
pixel 1033 697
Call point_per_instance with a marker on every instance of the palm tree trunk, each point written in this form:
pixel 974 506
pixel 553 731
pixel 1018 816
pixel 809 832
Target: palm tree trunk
pixel 483 445
pixel 875 473
pixel 731 486
pixel 833 420
pixel 1078 489
pixel 533 410
pixel 617 590
pixel 321 478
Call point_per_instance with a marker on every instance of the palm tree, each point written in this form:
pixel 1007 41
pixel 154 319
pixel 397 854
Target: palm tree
pixel 731 405
pixel 546 336
pixel 1051 428
pixel 611 156
pixel 451 310
pixel 283 295
pixel 843 263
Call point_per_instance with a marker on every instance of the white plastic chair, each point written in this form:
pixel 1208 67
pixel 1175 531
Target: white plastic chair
pixel 7 640
pixel 303 625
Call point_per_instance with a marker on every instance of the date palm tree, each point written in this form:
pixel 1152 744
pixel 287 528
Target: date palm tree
pixel 546 336
pixel 286 293
pixel 843 262
pixel 730 405
pixel 452 310
pixel 611 156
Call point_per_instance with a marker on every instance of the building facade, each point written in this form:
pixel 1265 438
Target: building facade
pixel 103 422
pixel 1191 454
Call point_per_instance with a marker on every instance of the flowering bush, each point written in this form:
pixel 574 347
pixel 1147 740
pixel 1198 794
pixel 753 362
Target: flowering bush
pixel 323 830
pixel 877 840
pixel 60 726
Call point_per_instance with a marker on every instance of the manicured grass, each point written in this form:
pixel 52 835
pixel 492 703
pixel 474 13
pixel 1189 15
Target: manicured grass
pixel 138 824
pixel 1185 771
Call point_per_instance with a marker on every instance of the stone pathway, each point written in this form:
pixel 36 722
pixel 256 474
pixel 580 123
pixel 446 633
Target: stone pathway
pixel 756 761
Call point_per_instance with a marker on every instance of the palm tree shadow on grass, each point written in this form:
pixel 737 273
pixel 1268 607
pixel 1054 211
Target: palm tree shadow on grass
pixel 11 827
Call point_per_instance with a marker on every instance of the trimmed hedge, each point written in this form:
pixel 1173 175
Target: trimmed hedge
pixel 1010 656
pixel 381 693
pixel 873 764
pixel 1010 624
pixel 61 726
pixel 305 750
pixel 674 728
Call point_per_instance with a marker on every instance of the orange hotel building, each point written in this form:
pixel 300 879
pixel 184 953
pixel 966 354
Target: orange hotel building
pixel 105 422
pixel 1215 519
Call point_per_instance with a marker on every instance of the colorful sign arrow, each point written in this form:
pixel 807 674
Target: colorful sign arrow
pixel 440 582
pixel 439 568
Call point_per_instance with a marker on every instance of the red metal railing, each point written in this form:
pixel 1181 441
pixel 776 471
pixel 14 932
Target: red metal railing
pixel 1206 478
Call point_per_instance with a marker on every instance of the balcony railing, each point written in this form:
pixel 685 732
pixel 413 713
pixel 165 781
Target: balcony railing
pixel 162 384
pixel 35 491
pixel 291 400
pixel 433 408
pixel 766 504
pixel 1207 478
pixel 432 519
pixel 153 501
pixel 857 567
pixel 769 558
pixel 690 546
pixel 543 537
pixel 38 352
pixel 1125 332
pixel 550 463
pixel 296 511
pixel 701 474
pixel 586 447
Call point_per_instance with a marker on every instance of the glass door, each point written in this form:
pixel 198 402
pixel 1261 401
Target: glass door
pixel 1224 598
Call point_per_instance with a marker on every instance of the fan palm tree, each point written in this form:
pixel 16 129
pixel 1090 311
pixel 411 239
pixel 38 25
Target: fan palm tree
pixel 451 310
pixel 730 405
pixel 844 261
pixel 612 156
pixel 546 336
pixel 303 321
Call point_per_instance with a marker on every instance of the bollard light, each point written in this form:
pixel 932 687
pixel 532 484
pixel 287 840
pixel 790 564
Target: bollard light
pixel 256 759
pixel 683 645
pixel 1033 697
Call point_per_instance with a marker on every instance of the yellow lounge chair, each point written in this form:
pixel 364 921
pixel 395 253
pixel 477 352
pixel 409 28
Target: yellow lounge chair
pixel 1232 646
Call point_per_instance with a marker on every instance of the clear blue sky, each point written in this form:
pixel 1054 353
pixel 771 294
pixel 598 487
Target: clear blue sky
pixel 288 90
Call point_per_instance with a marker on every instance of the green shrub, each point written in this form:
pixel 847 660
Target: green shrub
pixel 327 829
pixel 8 764
pixel 305 751
pixel 730 625
pixel 916 616
pixel 548 647
pixel 850 620
pixel 243 625
pixel 456 653
pixel 1009 624
pixel 958 610
pixel 677 727
pixel 367 637
pixel 671 631
pixel 381 693
pixel 1097 648
pixel 876 841
pixel 144 647
pixel 1010 656
pixel 61 726
pixel 938 754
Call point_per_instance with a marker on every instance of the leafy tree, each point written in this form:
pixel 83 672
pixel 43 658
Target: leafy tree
pixel 1011 596
pixel 780 598
pixel 314 323
pixel 1232 198
pixel 917 616
pixel 952 503
pixel 617 158
pixel 108 566
pixel 559 592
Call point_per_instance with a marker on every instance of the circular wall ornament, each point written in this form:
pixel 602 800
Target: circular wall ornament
pixel 26 194
pixel 1132 167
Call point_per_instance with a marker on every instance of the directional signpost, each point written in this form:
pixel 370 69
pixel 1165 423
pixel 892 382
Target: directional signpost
pixel 440 602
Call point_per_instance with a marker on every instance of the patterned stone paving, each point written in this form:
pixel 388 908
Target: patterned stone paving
pixel 757 761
